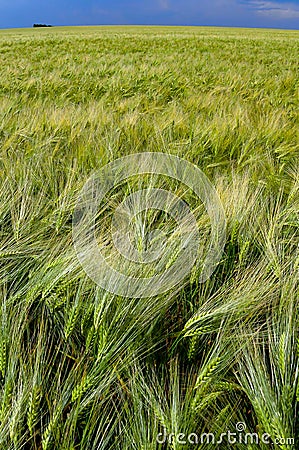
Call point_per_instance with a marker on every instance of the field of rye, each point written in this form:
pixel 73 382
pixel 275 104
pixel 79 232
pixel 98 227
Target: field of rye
pixel 81 368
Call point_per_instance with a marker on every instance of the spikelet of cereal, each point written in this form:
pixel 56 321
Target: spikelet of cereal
pixel 46 438
pixel 81 388
pixel 207 372
pixel 33 408
pixel 71 322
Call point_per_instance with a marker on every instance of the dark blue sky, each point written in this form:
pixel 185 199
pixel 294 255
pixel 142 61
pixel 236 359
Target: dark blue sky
pixel 246 13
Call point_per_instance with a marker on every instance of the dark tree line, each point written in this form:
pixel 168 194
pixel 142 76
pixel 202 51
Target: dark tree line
pixel 39 25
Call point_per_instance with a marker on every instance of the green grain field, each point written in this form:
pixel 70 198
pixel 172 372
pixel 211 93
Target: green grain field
pixel 81 368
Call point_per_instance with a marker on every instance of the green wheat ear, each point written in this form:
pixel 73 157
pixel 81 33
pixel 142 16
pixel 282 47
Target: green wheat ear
pixel 72 320
pixel 47 435
pixel 193 344
pixel 82 387
pixel 202 402
pixel 207 372
pixel 6 399
pixel 33 409
pixel 91 336
pixel 281 353
pixel 194 320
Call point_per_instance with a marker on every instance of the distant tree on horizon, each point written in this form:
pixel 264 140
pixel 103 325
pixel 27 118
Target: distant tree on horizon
pixel 39 25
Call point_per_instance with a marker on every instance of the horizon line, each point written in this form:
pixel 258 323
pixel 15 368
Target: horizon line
pixel 152 25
